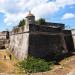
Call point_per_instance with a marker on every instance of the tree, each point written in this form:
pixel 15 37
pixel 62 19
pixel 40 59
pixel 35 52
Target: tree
pixel 21 23
pixel 41 21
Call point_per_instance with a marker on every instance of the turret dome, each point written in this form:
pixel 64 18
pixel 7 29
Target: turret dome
pixel 30 14
pixel 30 18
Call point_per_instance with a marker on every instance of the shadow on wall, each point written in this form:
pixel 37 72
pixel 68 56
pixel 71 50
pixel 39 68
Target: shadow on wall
pixel 69 40
pixel 44 46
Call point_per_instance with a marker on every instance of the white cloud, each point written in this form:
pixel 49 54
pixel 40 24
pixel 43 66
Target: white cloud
pixel 34 3
pixel 15 10
pixel 68 16
pixel 44 9
pixel 63 3
pixel 1 1
pixel 14 18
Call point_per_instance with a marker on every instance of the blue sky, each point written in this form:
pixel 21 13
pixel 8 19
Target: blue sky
pixel 59 11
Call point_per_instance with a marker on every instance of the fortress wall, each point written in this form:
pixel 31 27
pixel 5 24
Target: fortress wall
pixel 73 36
pixel 19 39
pixel 44 46
pixel 36 43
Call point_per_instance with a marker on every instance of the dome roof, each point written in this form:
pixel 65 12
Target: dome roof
pixel 30 14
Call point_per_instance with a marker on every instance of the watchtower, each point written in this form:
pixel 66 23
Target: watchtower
pixel 30 18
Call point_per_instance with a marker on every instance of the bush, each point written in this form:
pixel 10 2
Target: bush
pixel 21 23
pixel 41 21
pixel 34 65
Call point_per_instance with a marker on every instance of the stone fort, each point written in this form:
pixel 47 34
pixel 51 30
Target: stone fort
pixel 39 40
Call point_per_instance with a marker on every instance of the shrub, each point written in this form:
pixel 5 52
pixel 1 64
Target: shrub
pixel 40 21
pixel 21 23
pixel 34 65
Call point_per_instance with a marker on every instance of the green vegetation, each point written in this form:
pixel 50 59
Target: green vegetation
pixel 41 21
pixel 32 65
pixel 21 23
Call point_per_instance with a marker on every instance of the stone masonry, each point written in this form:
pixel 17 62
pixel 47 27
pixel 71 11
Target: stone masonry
pixel 37 40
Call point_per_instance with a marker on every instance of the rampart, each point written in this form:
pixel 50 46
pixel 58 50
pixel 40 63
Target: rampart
pixel 19 38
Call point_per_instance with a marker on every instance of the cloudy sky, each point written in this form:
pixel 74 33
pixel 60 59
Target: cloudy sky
pixel 59 11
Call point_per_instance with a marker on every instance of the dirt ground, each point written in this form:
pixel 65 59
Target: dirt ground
pixel 65 66
pixel 6 65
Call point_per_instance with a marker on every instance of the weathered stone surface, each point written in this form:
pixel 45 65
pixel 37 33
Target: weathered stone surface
pixel 73 36
pixel 37 40
pixel 19 43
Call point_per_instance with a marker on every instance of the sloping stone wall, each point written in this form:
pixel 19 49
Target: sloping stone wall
pixel 45 46
pixel 19 40
pixel 73 36
pixel 38 43
pixel 69 40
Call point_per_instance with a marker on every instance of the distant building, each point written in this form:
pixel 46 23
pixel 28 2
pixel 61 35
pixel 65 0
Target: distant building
pixel 4 37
